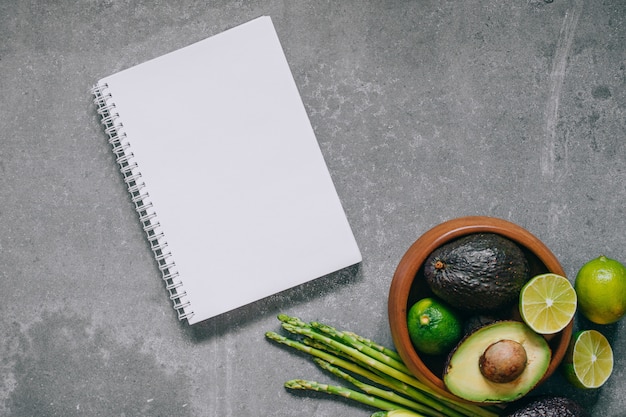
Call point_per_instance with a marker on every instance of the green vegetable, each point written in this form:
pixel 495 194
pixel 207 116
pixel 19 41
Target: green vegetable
pixel 343 392
pixel 362 362
pixel 386 395
pixel 366 372
pixel 373 345
pixel 395 413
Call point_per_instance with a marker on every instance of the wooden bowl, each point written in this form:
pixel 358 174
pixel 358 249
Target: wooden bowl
pixel 408 286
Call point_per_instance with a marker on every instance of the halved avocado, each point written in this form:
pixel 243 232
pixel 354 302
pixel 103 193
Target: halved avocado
pixel 463 375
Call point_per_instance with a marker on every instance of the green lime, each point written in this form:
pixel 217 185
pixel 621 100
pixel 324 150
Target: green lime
pixel 601 288
pixel 588 362
pixel 433 326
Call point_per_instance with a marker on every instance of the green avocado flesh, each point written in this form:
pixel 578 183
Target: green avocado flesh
pixel 462 374
pixel 478 272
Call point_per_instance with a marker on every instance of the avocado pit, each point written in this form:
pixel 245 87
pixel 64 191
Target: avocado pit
pixel 503 361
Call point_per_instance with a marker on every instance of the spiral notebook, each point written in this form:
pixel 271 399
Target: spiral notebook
pixel 225 172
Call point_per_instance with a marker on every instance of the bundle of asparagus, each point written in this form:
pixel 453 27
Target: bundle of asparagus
pixel 378 376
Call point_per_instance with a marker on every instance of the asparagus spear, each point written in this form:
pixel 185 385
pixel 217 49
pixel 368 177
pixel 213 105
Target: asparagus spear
pixel 386 373
pixel 351 338
pixel 384 368
pixel 383 349
pixel 346 393
pixel 361 347
pixel 391 353
pixel 377 392
pixel 292 320
pixel 394 413
pixel 442 405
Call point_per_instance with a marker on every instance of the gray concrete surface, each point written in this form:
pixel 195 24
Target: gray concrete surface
pixel 424 110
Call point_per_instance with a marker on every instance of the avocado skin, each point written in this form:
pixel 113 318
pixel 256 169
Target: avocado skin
pixel 546 406
pixel 478 272
pixel 475 322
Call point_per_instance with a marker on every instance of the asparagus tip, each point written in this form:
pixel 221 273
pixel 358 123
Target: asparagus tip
pixel 294 384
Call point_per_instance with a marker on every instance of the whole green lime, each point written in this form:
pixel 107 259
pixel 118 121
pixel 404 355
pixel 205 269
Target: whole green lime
pixel 601 289
pixel 434 327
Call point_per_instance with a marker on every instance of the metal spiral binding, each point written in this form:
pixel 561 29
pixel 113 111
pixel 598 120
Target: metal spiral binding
pixel 140 198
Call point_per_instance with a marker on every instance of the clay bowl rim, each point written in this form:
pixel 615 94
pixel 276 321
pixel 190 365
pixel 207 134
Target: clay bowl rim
pixel 417 254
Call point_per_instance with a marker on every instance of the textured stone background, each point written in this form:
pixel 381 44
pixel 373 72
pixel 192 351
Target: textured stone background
pixel 424 110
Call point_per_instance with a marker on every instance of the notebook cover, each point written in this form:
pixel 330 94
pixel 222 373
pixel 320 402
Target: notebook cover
pixel 233 169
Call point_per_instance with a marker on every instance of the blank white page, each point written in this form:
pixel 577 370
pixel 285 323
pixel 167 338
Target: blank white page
pixel 233 169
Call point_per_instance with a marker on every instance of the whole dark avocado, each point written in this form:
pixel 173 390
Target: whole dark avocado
pixel 546 406
pixel 479 272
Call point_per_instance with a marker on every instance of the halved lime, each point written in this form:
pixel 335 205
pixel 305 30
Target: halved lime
pixel 588 362
pixel 547 303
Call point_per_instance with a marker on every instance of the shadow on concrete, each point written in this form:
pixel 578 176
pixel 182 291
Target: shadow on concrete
pixel 272 305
